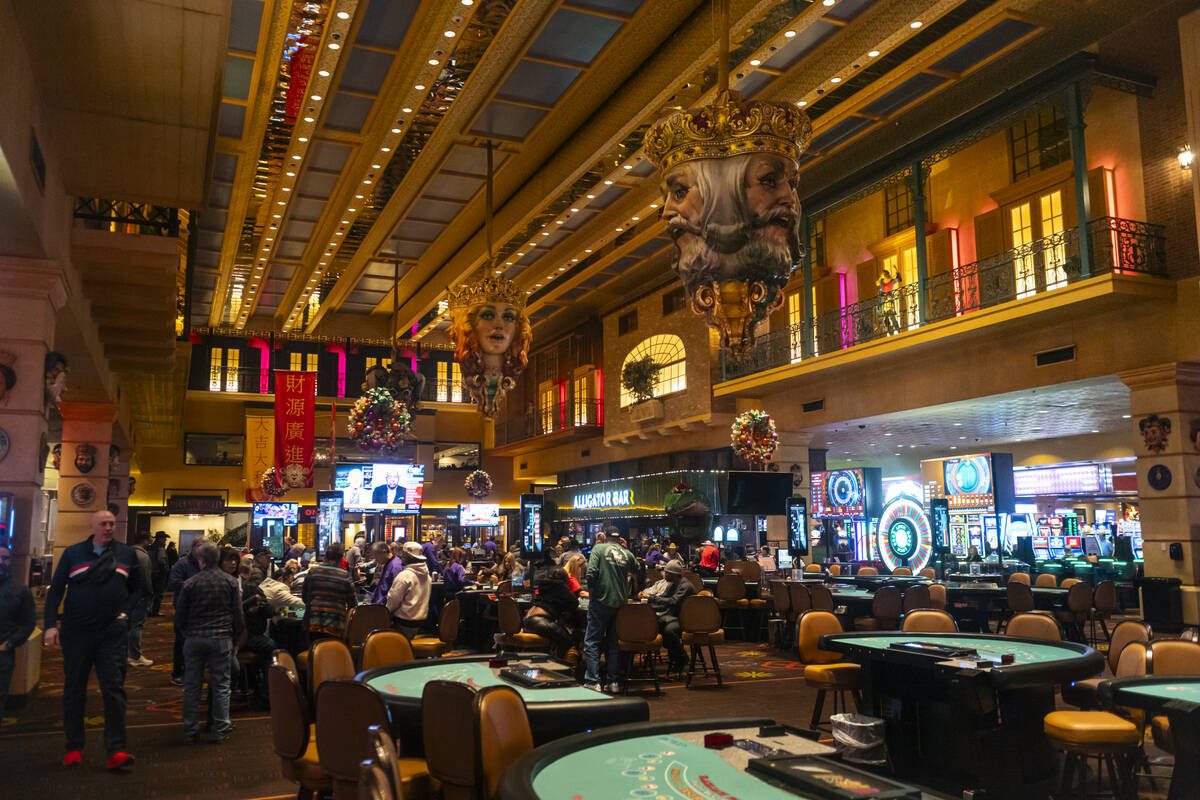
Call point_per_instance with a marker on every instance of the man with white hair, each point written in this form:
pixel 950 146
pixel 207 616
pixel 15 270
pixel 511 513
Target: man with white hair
pixel 99 579
pixel 390 492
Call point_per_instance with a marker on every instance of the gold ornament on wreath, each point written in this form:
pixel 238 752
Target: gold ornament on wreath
pixel 753 437
pixel 478 484
pixel 491 335
pixel 271 486
pixel 378 422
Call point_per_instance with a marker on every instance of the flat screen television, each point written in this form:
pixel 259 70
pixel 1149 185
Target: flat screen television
pixel 287 513
pixel 758 492
pixel 479 514
pixel 797 526
pixel 380 487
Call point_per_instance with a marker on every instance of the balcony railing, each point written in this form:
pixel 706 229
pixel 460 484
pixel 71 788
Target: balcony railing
pixel 118 216
pixel 1119 246
pixel 255 380
pixel 579 414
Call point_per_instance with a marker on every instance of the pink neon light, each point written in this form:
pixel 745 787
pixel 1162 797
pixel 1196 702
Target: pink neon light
pixel 1110 192
pixel 846 332
pixel 264 370
pixel 562 404
pixel 341 390
pixel 600 397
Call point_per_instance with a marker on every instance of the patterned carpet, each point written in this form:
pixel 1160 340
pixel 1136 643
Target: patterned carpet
pixel 759 680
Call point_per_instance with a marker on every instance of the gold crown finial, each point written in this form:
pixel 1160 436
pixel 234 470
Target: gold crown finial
pixel 728 127
pixel 496 289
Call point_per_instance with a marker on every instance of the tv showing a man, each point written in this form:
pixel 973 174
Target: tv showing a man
pixel 390 492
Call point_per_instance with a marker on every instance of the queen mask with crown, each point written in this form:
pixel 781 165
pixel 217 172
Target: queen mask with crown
pixel 728 174
pixel 491 336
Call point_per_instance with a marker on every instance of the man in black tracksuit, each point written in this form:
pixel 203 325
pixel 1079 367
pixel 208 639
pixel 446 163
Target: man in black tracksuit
pixel 183 569
pixel 99 577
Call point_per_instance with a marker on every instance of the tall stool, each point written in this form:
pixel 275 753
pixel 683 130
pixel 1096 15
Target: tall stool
pixel 824 671
pixel 700 619
pixel 1110 739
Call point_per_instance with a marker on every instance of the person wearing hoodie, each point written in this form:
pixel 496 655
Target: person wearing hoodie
pixel 408 599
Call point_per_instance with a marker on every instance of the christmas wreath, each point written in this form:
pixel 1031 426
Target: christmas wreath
pixel 478 484
pixel 684 501
pixel 377 421
pixel 753 436
pixel 271 486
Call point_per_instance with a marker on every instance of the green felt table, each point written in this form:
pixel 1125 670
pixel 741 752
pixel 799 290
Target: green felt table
pixel 477 674
pixel 660 767
pixel 1187 692
pixel 1178 698
pixel 1023 652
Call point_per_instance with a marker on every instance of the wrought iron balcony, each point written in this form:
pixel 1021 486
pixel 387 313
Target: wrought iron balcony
pixel 255 380
pixel 118 216
pixel 578 415
pixel 1118 246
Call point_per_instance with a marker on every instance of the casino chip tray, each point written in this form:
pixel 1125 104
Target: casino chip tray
pixel 930 649
pixel 817 777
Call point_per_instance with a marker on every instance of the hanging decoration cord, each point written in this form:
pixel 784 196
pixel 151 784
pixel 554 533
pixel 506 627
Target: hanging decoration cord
pixel 395 309
pixel 490 205
pixel 723 33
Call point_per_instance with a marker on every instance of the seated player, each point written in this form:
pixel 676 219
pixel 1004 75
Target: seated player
pixel 667 605
pixel 553 611
pixel 710 561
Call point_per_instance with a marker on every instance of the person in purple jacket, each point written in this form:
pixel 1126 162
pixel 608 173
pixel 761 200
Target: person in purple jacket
pixel 655 556
pixel 429 550
pixel 454 577
pixel 388 566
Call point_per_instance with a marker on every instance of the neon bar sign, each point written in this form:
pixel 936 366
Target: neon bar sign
pixel 621 498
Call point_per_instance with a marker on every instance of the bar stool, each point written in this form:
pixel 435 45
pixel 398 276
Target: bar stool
pixel 700 620
pixel 731 595
pixel 824 670
pixel 1110 739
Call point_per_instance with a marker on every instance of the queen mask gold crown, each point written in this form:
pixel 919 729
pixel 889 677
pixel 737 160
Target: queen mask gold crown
pixel 728 127
pixel 488 290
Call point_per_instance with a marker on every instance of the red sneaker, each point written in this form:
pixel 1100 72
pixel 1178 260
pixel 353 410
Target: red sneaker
pixel 73 758
pixel 120 760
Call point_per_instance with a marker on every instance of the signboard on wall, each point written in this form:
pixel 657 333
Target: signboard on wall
pixel 195 504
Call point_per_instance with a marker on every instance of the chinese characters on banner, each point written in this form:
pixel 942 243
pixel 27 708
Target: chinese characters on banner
pixel 260 454
pixel 295 405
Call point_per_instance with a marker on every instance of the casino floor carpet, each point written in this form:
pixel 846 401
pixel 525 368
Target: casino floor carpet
pixel 759 680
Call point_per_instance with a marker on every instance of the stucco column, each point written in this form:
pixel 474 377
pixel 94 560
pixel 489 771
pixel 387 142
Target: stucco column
pixel 791 456
pixel 118 489
pixel 1165 406
pixel 31 291
pixel 83 478
pixel 1189 53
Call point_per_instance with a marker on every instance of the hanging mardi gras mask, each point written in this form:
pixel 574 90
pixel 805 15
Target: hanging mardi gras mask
pixel 728 174
pixel 491 336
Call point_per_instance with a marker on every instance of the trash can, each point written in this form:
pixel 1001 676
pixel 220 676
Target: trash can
pixel 860 738
pixel 1162 604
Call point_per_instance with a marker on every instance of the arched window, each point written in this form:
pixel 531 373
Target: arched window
pixel 667 351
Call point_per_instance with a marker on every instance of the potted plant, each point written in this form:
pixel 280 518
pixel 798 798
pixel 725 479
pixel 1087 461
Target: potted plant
pixel 639 377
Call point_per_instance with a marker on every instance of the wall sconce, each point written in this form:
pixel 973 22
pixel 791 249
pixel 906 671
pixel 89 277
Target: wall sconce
pixel 1185 157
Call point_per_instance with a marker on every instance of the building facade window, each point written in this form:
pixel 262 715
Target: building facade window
pixel 898 206
pixel 816 242
pixel 232 362
pixel 627 323
pixel 1038 142
pixel 1040 267
pixel 668 352
pixel 547 404
pixel 215 363
pixel 796 324
pixel 673 301
pixel 449 382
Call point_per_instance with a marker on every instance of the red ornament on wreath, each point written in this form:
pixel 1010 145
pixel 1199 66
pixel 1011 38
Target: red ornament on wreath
pixel 753 437
pixel 478 484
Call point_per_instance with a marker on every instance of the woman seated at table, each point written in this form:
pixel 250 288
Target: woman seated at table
pixel 454 576
pixel 576 569
pixel 973 554
pixel 655 557
pixel 502 571
pixel 553 611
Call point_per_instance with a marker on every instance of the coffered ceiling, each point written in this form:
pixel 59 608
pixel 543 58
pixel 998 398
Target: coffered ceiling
pixel 352 135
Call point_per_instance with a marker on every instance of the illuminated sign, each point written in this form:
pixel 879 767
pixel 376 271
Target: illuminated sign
pixel 1074 479
pixel 617 498
pixel 969 482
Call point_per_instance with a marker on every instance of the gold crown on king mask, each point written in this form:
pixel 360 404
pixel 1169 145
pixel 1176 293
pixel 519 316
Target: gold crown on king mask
pixel 487 290
pixel 728 127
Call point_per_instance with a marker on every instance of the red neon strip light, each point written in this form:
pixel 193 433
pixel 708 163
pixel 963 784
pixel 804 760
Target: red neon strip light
pixel 1110 192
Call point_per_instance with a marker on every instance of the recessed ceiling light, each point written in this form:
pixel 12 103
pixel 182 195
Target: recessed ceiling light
pixel 545 233
pixel 574 210
pixel 558 222
pixel 835 79
pixel 626 166
pixel 376 166
pixel 368 182
pixel 1125 416
pixel 607 183
pixel 433 62
pixel 915 25
pixel 406 110
pixel 295 158
pixel 468 2
pixel 334 46
pixel 385 149
pixel 1097 430
pixel 448 34
pixel 287 188
pixel 291 174
pixel 591 197
pixel 352 210
pixel 359 196
pixel 280 203
pixel 277 216
pixel 654 205
pixel 316 97
pixel 562 269
pixel 343 15
pixel 302 139
pixel 395 130
pixel 419 87
pixel 789 34
pixel 953 447
pixel 324 73
pixel 620 229
pixel 802 103
pixel 962 437
pixel 508 263
pixel 587 251
pixel 345 222
pixel 754 62
pixel 635 219
pixel 958 424
pixel 873 53
pixel 520 254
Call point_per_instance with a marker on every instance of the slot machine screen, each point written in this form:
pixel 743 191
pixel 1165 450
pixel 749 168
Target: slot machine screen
pixel 797 522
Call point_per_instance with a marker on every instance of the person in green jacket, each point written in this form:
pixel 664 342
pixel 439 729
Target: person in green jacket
pixel 609 570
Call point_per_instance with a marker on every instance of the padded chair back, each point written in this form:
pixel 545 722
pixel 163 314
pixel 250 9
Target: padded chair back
pixel 1131 630
pixel 822 598
pixel 1019 577
pixel 329 660
pixel 1104 599
pixel 504 587
pixel 751 570
pixel 812 568
pixel 636 622
pixel 781 596
pixel 1067 583
pixel 902 571
pixel 1174 657
pixel 1020 597
pixel 385 648
pixel 447 712
pixel 801 600
pixel 345 710
pixel 284 659
pixel 374 784
pixel 813 625
pixel 1132 659
pixel 653 575
pixel 363 620
pixel 383 756
pixel 731 587
pixel 1046 579
pixel 868 571
pixel 289 713
pixel 928 572
pixel 916 596
pixel 887 606
pixel 694 579
pixel 1034 626
pixel 1079 598
pixel 835 569
pixel 937 596
pixel 503 725
pixel 928 620
pixel 699 614
pixel 448 622
pixel 508 614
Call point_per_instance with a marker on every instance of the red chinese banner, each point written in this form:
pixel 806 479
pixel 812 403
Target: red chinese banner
pixel 295 405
